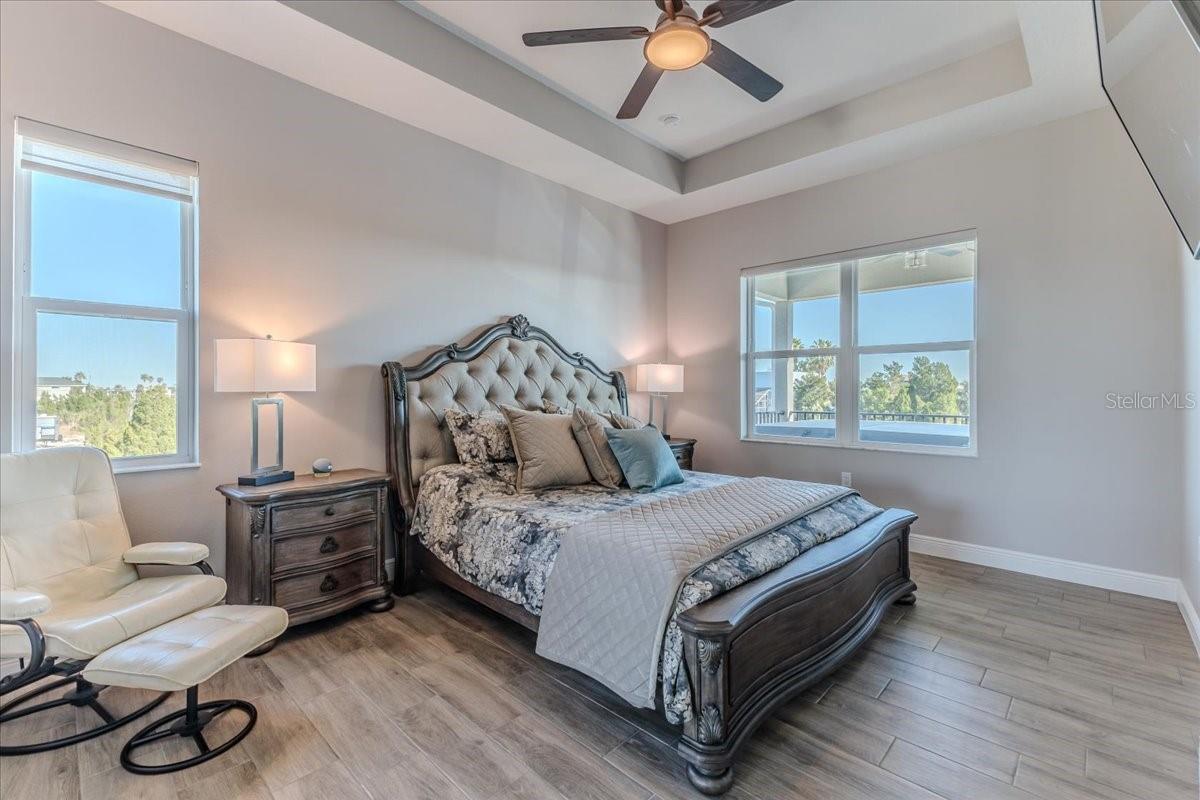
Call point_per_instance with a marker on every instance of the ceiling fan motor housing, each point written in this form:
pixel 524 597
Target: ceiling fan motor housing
pixel 677 42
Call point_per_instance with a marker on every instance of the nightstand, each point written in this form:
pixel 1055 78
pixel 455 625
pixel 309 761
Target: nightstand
pixel 682 448
pixel 313 546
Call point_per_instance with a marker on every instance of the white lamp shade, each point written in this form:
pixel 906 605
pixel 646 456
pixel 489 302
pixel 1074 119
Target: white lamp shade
pixel 659 378
pixel 264 365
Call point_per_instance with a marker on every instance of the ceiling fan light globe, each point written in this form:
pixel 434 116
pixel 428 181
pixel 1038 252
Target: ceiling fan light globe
pixel 676 45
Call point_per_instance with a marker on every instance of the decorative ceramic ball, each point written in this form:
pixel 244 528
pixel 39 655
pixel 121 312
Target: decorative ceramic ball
pixel 322 467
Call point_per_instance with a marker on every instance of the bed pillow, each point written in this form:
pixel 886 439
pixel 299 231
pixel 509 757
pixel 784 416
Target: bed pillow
pixel 625 422
pixel 588 428
pixel 547 454
pixel 481 438
pixel 645 458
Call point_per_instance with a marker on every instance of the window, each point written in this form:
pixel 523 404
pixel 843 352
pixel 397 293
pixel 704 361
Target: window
pixel 873 348
pixel 105 317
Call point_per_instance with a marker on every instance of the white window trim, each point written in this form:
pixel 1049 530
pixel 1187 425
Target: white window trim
pixel 26 307
pixel 848 351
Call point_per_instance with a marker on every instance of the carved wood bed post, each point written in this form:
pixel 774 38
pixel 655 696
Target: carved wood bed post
pixel 705 661
pixel 400 495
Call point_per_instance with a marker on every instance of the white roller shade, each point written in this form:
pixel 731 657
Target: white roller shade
pixel 48 148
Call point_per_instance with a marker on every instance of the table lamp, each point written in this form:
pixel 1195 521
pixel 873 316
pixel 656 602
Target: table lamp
pixel 659 380
pixel 264 365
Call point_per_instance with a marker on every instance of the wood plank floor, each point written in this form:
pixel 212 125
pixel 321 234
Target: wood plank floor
pixel 995 685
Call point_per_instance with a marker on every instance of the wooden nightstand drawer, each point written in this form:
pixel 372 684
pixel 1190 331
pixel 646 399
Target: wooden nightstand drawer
pixel 324 584
pixel 308 549
pixel 300 516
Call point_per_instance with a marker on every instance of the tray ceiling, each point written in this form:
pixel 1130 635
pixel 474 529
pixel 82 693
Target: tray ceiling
pixel 824 53
pixel 867 83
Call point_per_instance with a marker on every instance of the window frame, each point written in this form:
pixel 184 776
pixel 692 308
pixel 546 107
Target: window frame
pixel 848 351
pixel 26 306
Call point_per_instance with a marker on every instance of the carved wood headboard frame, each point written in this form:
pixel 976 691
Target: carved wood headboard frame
pixel 559 371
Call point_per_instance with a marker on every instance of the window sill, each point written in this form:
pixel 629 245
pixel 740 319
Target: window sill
pixel 907 449
pixel 134 468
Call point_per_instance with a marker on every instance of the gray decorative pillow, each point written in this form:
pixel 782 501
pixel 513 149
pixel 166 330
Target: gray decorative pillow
pixel 480 438
pixel 547 454
pixel 625 422
pixel 588 428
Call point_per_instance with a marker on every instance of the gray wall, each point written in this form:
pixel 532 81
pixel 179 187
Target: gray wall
pixel 1190 561
pixel 325 223
pixel 1078 296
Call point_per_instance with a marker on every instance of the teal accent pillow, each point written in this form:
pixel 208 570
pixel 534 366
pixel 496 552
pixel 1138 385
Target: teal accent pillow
pixel 645 458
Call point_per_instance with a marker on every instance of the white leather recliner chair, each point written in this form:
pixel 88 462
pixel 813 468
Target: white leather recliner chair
pixel 69 583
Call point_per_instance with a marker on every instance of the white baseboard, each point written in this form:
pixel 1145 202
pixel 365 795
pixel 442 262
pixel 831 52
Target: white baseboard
pixel 1159 587
pixel 1190 616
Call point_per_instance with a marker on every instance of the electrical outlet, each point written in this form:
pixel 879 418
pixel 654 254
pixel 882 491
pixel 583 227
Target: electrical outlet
pixel 846 479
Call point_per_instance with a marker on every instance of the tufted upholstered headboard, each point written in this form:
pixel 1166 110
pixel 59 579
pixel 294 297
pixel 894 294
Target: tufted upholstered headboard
pixel 512 363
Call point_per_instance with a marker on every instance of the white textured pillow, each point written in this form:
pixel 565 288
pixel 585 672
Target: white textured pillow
pixel 547 454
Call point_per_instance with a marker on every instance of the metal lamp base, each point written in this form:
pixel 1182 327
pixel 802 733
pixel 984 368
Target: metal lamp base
pixel 266 474
pixel 663 399
pixel 266 478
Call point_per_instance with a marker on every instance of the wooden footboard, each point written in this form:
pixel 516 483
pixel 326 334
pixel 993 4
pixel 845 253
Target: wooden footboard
pixel 752 649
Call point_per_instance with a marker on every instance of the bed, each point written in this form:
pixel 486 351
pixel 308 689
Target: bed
pixel 750 629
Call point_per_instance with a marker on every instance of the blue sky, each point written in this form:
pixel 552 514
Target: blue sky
pixel 938 313
pixel 95 242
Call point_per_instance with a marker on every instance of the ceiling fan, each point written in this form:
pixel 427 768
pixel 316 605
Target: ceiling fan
pixel 679 42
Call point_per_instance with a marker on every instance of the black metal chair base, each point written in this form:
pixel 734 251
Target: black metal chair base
pixel 189 724
pixel 86 693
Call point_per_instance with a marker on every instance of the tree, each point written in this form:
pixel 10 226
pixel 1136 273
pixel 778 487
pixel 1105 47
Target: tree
pixel 928 387
pixel 811 388
pixel 886 390
pixel 119 421
pixel 932 387
pixel 151 428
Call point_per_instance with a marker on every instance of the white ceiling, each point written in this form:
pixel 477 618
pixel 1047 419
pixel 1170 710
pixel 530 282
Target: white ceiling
pixel 824 53
pixel 867 84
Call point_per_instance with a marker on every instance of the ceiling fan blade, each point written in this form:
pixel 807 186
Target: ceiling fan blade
pixel 541 38
pixel 640 92
pixel 742 73
pixel 734 10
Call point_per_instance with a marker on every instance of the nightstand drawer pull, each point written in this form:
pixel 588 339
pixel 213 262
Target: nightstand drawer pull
pixel 330 511
pixel 330 545
pixel 329 584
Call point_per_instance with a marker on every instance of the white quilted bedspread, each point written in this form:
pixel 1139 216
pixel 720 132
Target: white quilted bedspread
pixel 617 575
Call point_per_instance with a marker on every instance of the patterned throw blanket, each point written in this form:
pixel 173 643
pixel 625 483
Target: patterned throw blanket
pixel 618 576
